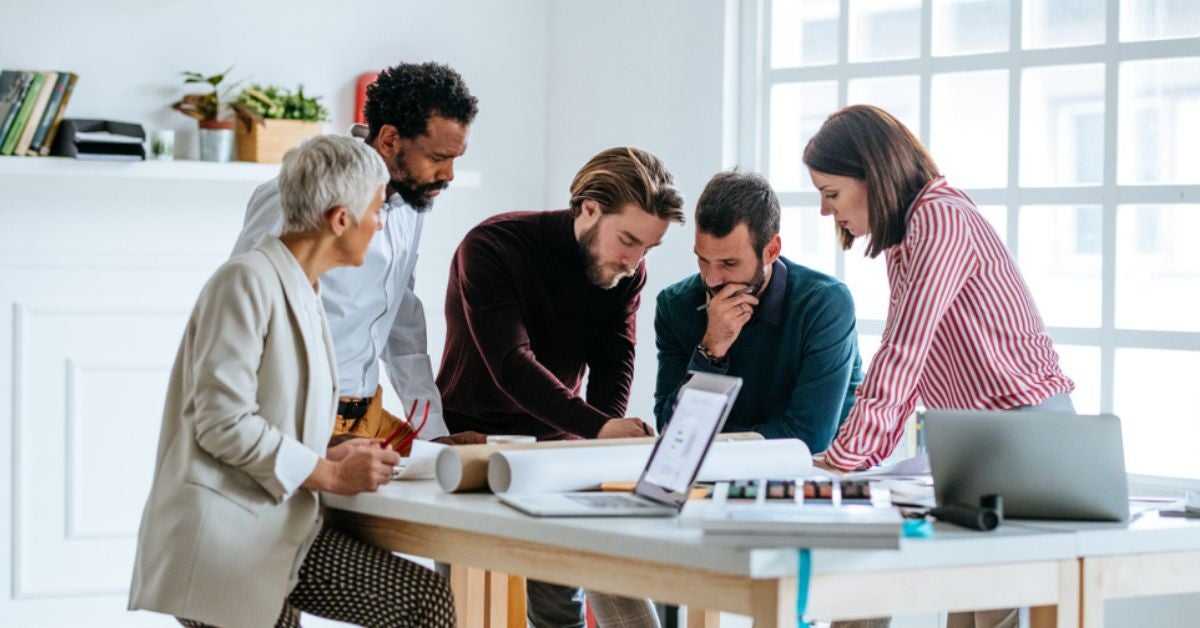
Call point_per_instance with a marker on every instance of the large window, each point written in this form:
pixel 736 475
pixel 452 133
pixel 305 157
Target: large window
pixel 1074 125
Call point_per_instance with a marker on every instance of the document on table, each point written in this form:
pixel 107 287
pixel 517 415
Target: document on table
pixel 421 462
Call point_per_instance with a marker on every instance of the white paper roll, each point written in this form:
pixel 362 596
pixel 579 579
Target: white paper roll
pixel 581 469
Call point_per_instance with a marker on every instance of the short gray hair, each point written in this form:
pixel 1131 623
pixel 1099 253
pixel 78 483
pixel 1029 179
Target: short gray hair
pixel 324 172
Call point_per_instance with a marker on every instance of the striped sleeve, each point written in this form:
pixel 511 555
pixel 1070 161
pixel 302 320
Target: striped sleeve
pixel 938 258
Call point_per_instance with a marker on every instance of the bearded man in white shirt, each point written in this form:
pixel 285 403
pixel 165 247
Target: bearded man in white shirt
pixel 418 118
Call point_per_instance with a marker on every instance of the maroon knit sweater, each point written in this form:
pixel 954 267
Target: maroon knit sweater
pixel 523 325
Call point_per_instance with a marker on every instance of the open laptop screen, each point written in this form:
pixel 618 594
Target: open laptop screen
pixel 679 456
pixel 701 407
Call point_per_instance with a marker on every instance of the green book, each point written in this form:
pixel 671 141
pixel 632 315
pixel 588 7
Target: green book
pixel 43 127
pixel 14 133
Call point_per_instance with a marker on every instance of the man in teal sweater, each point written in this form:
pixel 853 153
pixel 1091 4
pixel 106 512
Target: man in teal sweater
pixel 786 330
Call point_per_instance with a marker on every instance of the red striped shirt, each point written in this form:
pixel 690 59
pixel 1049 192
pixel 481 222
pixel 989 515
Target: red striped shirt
pixel 962 330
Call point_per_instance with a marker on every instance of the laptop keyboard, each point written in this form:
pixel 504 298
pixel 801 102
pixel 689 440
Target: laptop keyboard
pixel 609 501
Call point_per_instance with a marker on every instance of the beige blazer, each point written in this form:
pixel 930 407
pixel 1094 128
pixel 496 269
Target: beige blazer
pixel 249 395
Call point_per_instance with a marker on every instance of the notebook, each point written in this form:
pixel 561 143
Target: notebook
pixel 702 405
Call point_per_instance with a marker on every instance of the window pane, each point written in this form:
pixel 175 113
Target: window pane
pixel 1062 125
pixel 969 116
pixel 867 280
pixel 1060 260
pixel 1159 121
pixel 1062 23
pixel 1158 267
pixel 885 29
pixel 868 346
pixel 1160 432
pixel 1159 19
pixel 797 111
pixel 803 33
pixel 997 215
pixel 969 26
pixel 1082 364
pixel 898 95
pixel 808 238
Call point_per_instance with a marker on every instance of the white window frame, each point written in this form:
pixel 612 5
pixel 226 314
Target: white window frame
pixel 756 78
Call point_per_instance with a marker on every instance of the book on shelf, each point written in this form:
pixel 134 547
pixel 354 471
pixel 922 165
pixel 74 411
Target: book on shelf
pixel 11 98
pixel 43 147
pixel 52 108
pixel 32 105
pixel 804 525
pixel 35 115
pixel 27 104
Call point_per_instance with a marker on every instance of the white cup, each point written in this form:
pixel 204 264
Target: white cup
pixel 504 439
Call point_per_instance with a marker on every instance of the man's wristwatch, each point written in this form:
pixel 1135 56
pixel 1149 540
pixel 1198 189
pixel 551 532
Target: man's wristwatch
pixel 717 363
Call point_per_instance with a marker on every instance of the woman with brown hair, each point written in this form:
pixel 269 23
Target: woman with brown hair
pixel 962 330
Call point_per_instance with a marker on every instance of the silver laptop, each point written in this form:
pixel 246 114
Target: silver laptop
pixel 1044 465
pixel 701 407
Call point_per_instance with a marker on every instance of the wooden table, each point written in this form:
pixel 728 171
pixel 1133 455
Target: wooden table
pixel 667 560
pixel 1152 555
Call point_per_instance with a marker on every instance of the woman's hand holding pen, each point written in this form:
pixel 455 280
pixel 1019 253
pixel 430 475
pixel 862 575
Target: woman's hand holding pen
pixel 338 452
pixel 364 467
pixel 728 311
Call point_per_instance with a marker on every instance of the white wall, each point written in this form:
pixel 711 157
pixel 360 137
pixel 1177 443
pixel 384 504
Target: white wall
pixel 649 75
pixel 87 247
pixel 129 55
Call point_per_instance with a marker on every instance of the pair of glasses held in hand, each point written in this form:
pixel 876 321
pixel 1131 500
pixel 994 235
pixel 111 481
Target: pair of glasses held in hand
pixel 405 433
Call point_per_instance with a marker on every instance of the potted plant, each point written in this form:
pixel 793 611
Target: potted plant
pixel 216 135
pixel 272 119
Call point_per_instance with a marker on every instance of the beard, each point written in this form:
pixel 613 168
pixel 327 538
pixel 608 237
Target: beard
pixel 602 275
pixel 415 194
pixel 754 286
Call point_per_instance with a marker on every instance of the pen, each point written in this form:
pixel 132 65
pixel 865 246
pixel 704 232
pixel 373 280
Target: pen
pixel 704 306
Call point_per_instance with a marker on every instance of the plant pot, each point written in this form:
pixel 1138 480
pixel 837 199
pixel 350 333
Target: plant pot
pixel 216 140
pixel 268 142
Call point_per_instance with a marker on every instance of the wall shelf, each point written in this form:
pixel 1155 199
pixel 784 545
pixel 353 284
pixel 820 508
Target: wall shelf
pixel 181 169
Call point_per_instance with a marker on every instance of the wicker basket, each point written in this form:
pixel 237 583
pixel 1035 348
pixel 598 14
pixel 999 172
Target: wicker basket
pixel 268 142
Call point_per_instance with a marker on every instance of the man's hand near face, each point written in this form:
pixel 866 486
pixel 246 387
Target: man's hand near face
pixel 728 311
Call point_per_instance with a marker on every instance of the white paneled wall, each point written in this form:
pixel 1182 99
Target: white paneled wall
pixel 98 272
pixel 100 265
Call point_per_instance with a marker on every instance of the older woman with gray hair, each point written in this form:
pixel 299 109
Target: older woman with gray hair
pixel 232 533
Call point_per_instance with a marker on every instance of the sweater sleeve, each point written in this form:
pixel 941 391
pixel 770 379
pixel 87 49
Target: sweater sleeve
pixel 938 260
pixel 488 294
pixel 610 365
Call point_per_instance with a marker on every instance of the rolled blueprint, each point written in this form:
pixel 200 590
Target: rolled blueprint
pixel 554 471
pixel 464 467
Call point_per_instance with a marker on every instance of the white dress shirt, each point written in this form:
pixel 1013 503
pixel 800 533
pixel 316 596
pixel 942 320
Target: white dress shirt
pixel 372 310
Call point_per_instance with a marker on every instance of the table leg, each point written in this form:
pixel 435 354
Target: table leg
pixel 1065 614
pixel 701 618
pixel 470 595
pixel 774 603
pixel 1092 609
pixel 516 602
pixel 495 605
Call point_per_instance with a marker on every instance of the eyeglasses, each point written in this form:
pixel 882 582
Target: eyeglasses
pixel 404 433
